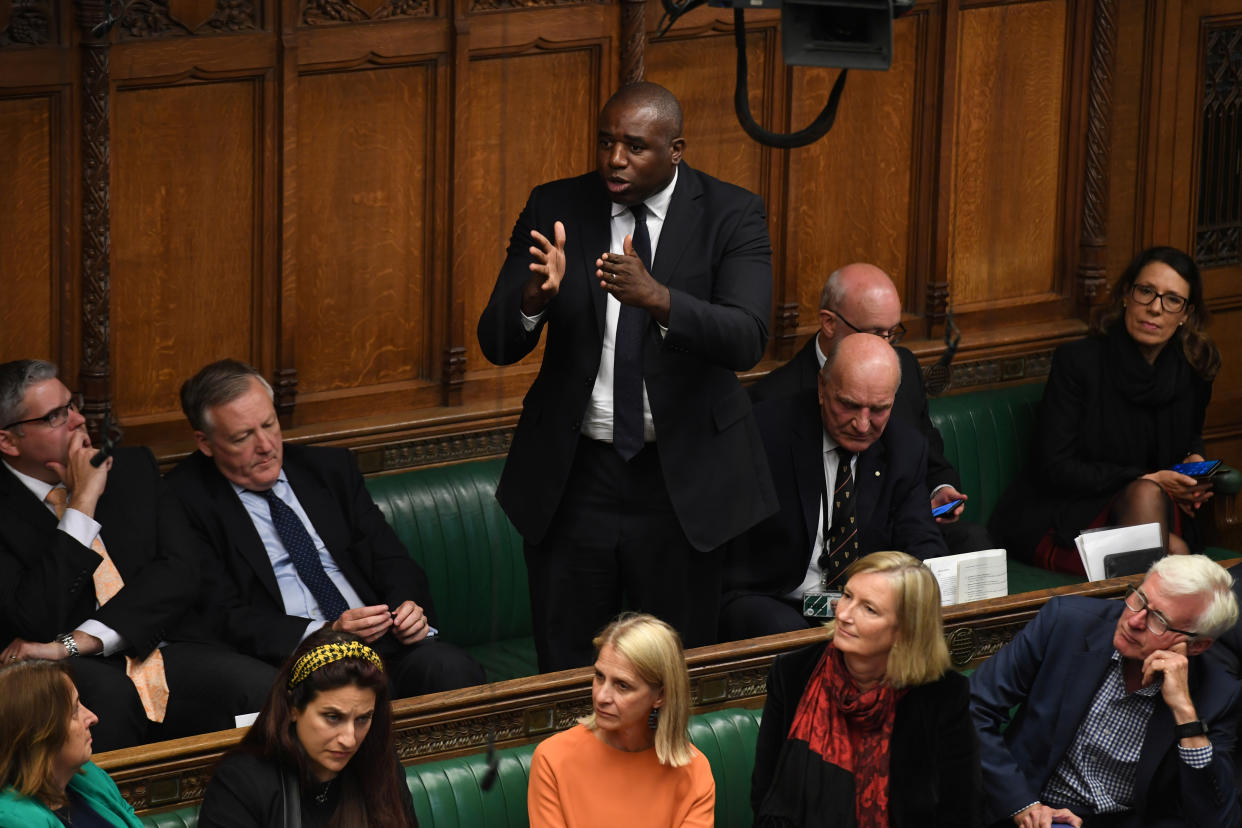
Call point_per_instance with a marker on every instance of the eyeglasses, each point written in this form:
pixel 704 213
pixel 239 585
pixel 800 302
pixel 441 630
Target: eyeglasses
pixel 1146 294
pixel 892 336
pixel 1157 623
pixel 55 418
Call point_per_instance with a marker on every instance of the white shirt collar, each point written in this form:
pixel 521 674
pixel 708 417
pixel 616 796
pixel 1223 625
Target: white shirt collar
pixel 657 204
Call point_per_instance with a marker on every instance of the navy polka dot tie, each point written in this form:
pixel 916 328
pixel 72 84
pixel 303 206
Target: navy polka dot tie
pixel 305 557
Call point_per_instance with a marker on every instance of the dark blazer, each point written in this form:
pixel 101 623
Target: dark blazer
pixel 892 501
pixel 910 405
pixel 331 490
pixel 934 758
pixel 45 576
pixel 245 792
pixel 1052 669
pixel 1084 453
pixel 715 259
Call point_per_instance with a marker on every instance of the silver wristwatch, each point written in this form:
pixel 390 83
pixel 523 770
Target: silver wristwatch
pixel 69 644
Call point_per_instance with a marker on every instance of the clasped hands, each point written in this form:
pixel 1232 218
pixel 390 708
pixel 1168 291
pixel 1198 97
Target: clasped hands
pixel 623 275
pixel 407 622
pixel 1188 493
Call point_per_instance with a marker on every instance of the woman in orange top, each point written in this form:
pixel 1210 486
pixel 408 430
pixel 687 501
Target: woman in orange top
pixel 630 762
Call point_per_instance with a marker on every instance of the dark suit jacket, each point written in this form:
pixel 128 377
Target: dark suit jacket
pixel 1052 669
pixel 892 502
pixel 1085 450
pixel 910 405
pixel 45 575
pixel 933 760
pixel 331 490
pixel 715 259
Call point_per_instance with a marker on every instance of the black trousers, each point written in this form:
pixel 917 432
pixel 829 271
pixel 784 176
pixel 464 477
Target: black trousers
pixel 207 686
pixel 615 543
pixel 429 666
pixel 749 615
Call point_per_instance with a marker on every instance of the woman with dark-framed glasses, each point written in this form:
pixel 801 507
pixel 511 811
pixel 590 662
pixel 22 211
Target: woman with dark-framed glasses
pixel 1121 408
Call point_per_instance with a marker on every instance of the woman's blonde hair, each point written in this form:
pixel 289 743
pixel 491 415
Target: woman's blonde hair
pixel 36 704
pixel 654 648
pixel 919 654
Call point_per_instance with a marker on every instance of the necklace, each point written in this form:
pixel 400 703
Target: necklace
pixel 321 795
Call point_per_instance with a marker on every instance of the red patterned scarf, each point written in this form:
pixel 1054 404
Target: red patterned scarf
pixel 850 729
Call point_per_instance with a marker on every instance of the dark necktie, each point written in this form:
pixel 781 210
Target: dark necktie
pixel 627 378
pixel 305 557
pixel 841 542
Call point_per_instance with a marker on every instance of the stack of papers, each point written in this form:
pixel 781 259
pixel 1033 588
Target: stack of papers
pixel 971 576
pixel 1132 549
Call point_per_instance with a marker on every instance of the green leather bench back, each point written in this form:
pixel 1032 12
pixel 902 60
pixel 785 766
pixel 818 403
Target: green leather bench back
pixel 449 520
pixel 447 794
pixel 987 437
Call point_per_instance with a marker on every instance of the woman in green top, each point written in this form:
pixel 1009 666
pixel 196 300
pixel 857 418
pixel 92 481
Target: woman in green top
pixel 46 776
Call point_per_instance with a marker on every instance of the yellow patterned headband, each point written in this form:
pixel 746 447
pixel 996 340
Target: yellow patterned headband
pixel 328 653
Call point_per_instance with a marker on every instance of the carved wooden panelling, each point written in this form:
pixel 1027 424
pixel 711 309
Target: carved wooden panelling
pixel 849 198
pixel 25 22
pixel 1226 331
pixel 513 144
pixel 173 18
pixel 1003 234
pixel 365 154
pixel 330 12
pixel 1219 229
pixel 27 204
pixel 184 236
pixel 700 71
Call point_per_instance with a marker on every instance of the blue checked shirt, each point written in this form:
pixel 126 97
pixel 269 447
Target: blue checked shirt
pixel 1097 773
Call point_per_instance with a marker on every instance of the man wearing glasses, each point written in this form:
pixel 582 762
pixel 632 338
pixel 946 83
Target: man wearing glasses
pixel 97 564
pixel 1119 721
pixel 861 298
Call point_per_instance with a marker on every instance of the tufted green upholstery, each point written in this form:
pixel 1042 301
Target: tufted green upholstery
pixel 449 520
pixel 447 793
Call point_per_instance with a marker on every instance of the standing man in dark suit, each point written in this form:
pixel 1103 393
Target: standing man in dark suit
pixel 636 452
pixel 98 562
pixel 299 541
pixel 862 298
pixel 850 482
pixel 1120 721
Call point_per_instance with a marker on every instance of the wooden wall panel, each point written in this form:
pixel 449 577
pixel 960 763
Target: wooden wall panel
pixel 365 151
pixel 185 236
pixel 700 71
pixel 851 201
pixel 28 245
pixel 512 149
pixel 1006 204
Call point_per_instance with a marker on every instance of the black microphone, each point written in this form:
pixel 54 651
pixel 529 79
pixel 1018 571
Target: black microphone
pixel 937 379
pixel 111 434
pixel 493 764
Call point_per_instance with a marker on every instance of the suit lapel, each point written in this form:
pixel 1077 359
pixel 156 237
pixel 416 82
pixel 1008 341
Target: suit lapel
pixel 239 528
pixel 320 507
pixel 682 223
pixel 1087 664
pixel 808 462
pixel 23 505
pixel 869 482
pixel 594 226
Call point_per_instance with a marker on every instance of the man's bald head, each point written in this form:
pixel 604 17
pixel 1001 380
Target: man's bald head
pixel 857 298
pixel 857 386
pixel 653 97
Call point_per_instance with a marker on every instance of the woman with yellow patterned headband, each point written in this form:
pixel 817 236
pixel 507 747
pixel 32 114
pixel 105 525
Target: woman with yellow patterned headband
pixel 320 755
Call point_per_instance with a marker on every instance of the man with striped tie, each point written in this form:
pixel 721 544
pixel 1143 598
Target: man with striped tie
pixel 97 564
pixel 849 482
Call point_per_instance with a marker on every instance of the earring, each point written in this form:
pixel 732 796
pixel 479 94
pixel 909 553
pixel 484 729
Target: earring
pixel 653 718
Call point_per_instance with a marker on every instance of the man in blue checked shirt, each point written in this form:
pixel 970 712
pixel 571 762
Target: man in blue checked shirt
pixel 1120 723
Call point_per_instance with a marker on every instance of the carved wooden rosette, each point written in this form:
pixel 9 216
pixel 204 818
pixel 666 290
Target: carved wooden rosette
pixel 633 40
pixel 1093 245
pixel 94 374
pixel 330 12
pixel 25 22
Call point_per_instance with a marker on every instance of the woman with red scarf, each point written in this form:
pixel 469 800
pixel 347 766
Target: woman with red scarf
pixel 870 729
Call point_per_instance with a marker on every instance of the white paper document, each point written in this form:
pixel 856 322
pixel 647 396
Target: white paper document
pixel 1095 545
pixel 971 576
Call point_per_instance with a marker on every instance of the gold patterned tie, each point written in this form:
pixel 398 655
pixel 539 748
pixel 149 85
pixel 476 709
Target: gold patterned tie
pixel 148 674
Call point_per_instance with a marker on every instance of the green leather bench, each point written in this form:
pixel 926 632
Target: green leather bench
pixel 448 518
pixel 449 793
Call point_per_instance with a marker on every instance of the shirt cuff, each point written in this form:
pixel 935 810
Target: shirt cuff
pixel 112 641
pixel 933 494
pixel 1197 758
pixel 78 526
pixel 529 322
